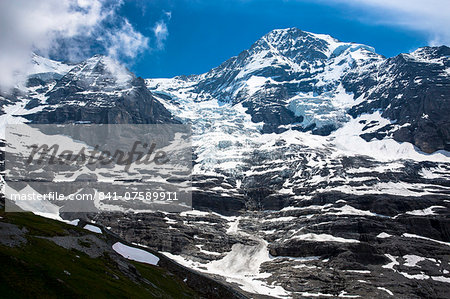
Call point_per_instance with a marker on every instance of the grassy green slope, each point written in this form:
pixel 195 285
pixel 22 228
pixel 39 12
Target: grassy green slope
pixel 40 268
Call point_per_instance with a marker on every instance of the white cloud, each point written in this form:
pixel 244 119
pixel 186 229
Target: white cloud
pixel 125 41
pixel 30 25
pixel 430 17
pixel 161 33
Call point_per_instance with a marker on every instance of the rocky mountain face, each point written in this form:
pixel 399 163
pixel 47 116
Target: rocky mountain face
pixel 303 164
pixel 320 167
pixel 295 79
pixel 413 91
pixel 98 90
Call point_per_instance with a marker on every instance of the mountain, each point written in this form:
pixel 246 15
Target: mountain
pixel 98 90
pixel 320 167
pixel 314 153
pixel 295 79
pixel 412 90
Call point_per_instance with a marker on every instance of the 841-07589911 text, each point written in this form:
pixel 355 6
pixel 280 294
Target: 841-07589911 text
pixel 135 195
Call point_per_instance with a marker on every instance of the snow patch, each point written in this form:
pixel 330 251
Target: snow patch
pixel 255 83
pixel 93 228
pixel 347 139
pixel 424 212
pixel 386 290
pixel 406 235
pixel 383 235
pixel 135 254
pixel 73 222
pixel 324 238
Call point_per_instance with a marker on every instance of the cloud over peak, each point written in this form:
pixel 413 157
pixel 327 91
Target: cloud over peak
pixel 67 28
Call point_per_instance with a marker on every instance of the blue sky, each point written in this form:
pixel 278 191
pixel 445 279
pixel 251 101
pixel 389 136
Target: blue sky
pixel 165 38
pixel 202 34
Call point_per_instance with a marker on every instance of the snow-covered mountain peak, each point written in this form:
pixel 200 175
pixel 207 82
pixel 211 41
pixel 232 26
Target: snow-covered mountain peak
pixel 299 45
pixel 102 71
pixel 292 79
pixel 98 70
pixel 41 65
pixel 97 90
pixel 292 43
pixel 439 55
pixel 287 72
pixel 285 55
